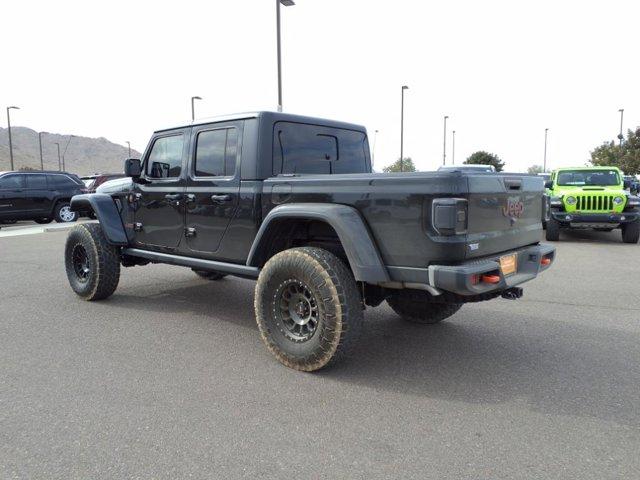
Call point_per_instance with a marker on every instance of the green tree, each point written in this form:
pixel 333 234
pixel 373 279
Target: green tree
pixel 485 158
pixel 407 166
pixel 535 169
pixel 625 157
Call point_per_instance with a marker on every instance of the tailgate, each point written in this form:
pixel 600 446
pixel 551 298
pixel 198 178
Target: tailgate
pixel 505 213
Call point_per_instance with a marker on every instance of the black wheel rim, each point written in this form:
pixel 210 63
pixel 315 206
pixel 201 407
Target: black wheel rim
pixel 80 261
pixel 296 310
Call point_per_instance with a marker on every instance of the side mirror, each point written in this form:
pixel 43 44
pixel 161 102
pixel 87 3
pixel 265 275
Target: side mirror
pixel 132 168
pixel 548 184
pixel 626 184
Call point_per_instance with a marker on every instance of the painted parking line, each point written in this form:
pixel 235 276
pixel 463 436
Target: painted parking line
pixel 33 230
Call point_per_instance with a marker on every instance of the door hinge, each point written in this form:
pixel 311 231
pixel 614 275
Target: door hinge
pixel 190 232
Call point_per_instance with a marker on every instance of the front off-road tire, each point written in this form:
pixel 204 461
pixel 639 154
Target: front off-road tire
pixel 92 264
pixel 631 232
pixel 308 308
pixel 209 275
pixel 552 233
pixel 416 306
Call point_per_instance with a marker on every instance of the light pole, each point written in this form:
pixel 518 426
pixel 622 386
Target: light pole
pixel 444 142
pixel 404 87
pixel 9 128
pixel 544 164
pixel 40 144
pixel 620 136
pixel 65 151
pixel 286 3
pixel 129 146
pixel 453 148
pixel 59 164
pixel 193 111
pixel 373 150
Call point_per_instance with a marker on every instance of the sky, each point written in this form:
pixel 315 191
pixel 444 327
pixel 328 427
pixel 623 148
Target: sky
pixel 503 71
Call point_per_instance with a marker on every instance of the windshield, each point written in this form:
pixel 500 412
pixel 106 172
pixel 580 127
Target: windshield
pixel 588 177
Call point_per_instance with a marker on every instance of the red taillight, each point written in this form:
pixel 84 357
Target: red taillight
pixel 545 261
pixel 491 278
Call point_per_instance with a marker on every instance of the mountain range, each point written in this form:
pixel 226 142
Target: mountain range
pixel 83 156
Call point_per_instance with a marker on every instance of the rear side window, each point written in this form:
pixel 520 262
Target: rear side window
pixel 10 182
pixel 216 153
pixel 36 181
pixel 302 148
pixel 61 181
pixel 165 159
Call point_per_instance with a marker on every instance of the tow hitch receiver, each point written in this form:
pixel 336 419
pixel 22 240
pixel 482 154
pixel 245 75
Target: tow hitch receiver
pixel 512 293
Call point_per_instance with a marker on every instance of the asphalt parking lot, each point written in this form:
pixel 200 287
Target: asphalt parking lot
pixel 169 379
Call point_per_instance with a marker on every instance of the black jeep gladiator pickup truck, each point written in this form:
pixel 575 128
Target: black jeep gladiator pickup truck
pixel 291 201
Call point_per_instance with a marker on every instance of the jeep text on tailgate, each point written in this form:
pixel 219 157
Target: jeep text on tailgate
pixel 291 201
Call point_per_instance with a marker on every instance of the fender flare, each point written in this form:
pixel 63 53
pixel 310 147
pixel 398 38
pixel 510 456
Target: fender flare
pixel 106 211
pixel 356 239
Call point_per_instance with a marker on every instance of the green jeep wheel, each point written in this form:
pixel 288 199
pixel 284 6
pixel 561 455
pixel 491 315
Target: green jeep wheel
pixel 631 232
pixel 552 233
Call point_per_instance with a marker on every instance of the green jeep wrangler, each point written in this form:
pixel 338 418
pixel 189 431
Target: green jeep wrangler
pixel 592 197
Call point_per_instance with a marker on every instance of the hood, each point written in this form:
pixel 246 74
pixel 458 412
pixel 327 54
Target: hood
pixel 115 186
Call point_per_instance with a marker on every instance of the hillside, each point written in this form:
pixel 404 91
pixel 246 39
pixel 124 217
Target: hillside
pixel 84 156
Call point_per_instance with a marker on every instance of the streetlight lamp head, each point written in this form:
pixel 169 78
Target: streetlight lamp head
pixel 196 98
pixel 446 116
pixel 287 3
pixel 404 87
pixel 621 110
pixel 13 107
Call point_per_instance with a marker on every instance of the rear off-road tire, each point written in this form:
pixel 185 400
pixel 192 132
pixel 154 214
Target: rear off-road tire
pixel 416 306
pixel 92 264
pixel 308 308
pixel 552 233
pixel 631 232
pixel 209 275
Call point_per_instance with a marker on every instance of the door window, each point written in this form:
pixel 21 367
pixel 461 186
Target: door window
pixel 36 181
pixel 11 182
pixel 165 159
pixel 216 153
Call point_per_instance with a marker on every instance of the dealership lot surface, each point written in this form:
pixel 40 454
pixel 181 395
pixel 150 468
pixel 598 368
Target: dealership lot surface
pixel 169 379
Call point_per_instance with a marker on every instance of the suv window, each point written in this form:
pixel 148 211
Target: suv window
pixel 35 180
pixel 60 181
pixel 165 159
pixel 11 182
pixel 216 153
pixel 302 148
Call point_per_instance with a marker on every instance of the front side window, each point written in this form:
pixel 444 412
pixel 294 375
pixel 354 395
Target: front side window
pixel 11 182
pixel 165 159
pixel 301 148
pixel 216 153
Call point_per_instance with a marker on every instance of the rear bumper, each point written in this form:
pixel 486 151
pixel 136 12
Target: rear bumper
pixel 462 279
pixel 566 218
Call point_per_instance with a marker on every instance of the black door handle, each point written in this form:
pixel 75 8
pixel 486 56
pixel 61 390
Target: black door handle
pixel 220 198
pixel 172 197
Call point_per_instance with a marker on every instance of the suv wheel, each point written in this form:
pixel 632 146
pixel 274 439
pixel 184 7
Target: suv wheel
pixel 552 233
pixel 209 275
pixel 415 306
pixel 64 214
pixel 308 308
pixel 631 232
pixel 43 221
pixel 92 264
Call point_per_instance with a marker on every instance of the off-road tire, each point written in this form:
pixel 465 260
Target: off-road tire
pixel 102 273
pixel 631 232
pixel 415 306
pixel 338 307
pixel 58 211
pixel 552 233
pixel 209 275
pixel 43 221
